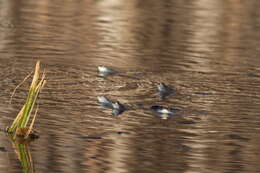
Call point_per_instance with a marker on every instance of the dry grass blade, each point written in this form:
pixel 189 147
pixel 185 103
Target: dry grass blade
pixel 16 120
pixel 19 86
pixel 32 123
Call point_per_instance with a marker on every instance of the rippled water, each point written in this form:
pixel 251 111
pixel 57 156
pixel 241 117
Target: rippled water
pixel 208 51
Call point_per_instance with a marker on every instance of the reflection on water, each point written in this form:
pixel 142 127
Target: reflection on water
pixel 22 151
pixel 207 51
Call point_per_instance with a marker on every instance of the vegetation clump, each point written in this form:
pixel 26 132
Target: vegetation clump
pixel 22 126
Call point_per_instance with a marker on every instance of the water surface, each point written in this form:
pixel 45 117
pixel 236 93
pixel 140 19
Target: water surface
pixel 208 51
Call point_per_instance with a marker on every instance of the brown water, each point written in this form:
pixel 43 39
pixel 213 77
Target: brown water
pixel 209 51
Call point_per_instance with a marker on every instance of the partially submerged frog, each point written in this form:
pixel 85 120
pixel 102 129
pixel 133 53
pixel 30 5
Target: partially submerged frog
pixel 105 71
pixel 164 91
pixel 164 112
pixel 117 107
